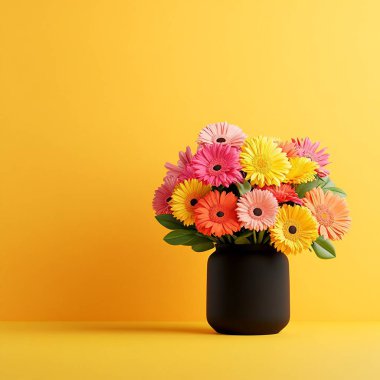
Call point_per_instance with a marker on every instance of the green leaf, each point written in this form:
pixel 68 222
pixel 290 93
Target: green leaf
pixel 197 240
pixel 326 182
pixel 201 247
pixel 243 187
pixel 170 222
pixel 328 185
pixel 246 233
pixel 336 191
pixel 303 188
pixel 242 240
pixel 323 248
pixel 186 237
pixel 178 237
pixel 220 188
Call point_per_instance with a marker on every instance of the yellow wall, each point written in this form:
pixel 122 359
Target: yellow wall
pixel 96 95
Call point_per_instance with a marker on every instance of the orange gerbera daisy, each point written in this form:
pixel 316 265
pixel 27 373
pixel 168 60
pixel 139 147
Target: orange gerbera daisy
pixel 288 147
pixel 215 214
pixel 331 212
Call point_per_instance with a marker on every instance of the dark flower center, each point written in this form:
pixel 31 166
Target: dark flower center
pixel 220 140
pixel 217 167
pixel 257 211
pixel 220 214
pixel 292 229
pixel 193 202
pixel 168 199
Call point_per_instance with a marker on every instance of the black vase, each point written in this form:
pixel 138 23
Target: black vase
pixel 247 290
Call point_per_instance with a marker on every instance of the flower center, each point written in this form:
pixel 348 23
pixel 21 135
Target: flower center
pixel 257 211
pixel 324 217
pixel 220 214
pixel 193 202
pixel 217 167
pixel 221 140
pixel 292 229
pixel 168 199
pixel 261 164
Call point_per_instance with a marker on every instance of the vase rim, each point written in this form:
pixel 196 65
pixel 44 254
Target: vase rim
pixel 246 247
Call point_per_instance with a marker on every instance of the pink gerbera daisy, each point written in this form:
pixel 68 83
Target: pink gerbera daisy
pixel 222 133
pixel 331 212
pixel 306 148
pixel 284 193
pixel 183 170
pixel 163 195
pixel 217 165
pixel 215 214
pixel 257 210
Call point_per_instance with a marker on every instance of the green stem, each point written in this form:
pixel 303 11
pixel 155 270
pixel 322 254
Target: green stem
pixel 219 240
pixel 254 236
pixel 261 235
pixel 266 239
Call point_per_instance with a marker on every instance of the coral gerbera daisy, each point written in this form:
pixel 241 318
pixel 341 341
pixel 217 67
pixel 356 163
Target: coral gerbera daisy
pixel 184 198
pixel 306 148
pixel 256 210
pixel 183 170
pixel 163 195
pixel 217 165
pixel 294 230
pixel 222 133
pixel 302 170
pixel 284 193
pixel 215 214
pixel 288 147
pixel 331 212
pixel 263 161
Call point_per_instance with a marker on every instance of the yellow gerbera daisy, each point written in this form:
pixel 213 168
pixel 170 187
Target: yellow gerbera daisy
pixel 263 161
pixel 302 170
pixel 185 196
pixel 294 230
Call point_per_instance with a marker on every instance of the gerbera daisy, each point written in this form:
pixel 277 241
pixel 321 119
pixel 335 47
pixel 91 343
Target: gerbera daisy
pixel 183 170
pixel 294 230
pixel 256 210
pixel 288 148
pixel 331 212
pixel 222 133
pixel 217 165
pixel 215 214
pixel 302 170
pixel 284 193
pixel 306 148
pixel 163 195
pixel 184 198
pixel 263 161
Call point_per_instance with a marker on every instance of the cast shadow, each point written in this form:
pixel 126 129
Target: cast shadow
pixel 146 329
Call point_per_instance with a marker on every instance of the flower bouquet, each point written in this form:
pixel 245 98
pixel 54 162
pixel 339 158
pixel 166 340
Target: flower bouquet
pixel 238 190
pixel 256 200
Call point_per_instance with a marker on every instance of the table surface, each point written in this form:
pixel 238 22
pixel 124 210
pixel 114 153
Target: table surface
pixel 115 350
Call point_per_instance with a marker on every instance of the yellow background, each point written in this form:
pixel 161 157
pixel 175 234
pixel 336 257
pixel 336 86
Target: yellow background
pixel 187 351
pixel 96 95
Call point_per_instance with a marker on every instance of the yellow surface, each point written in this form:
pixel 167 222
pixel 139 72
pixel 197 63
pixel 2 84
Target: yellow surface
pixel 96 95
pixel 187 351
